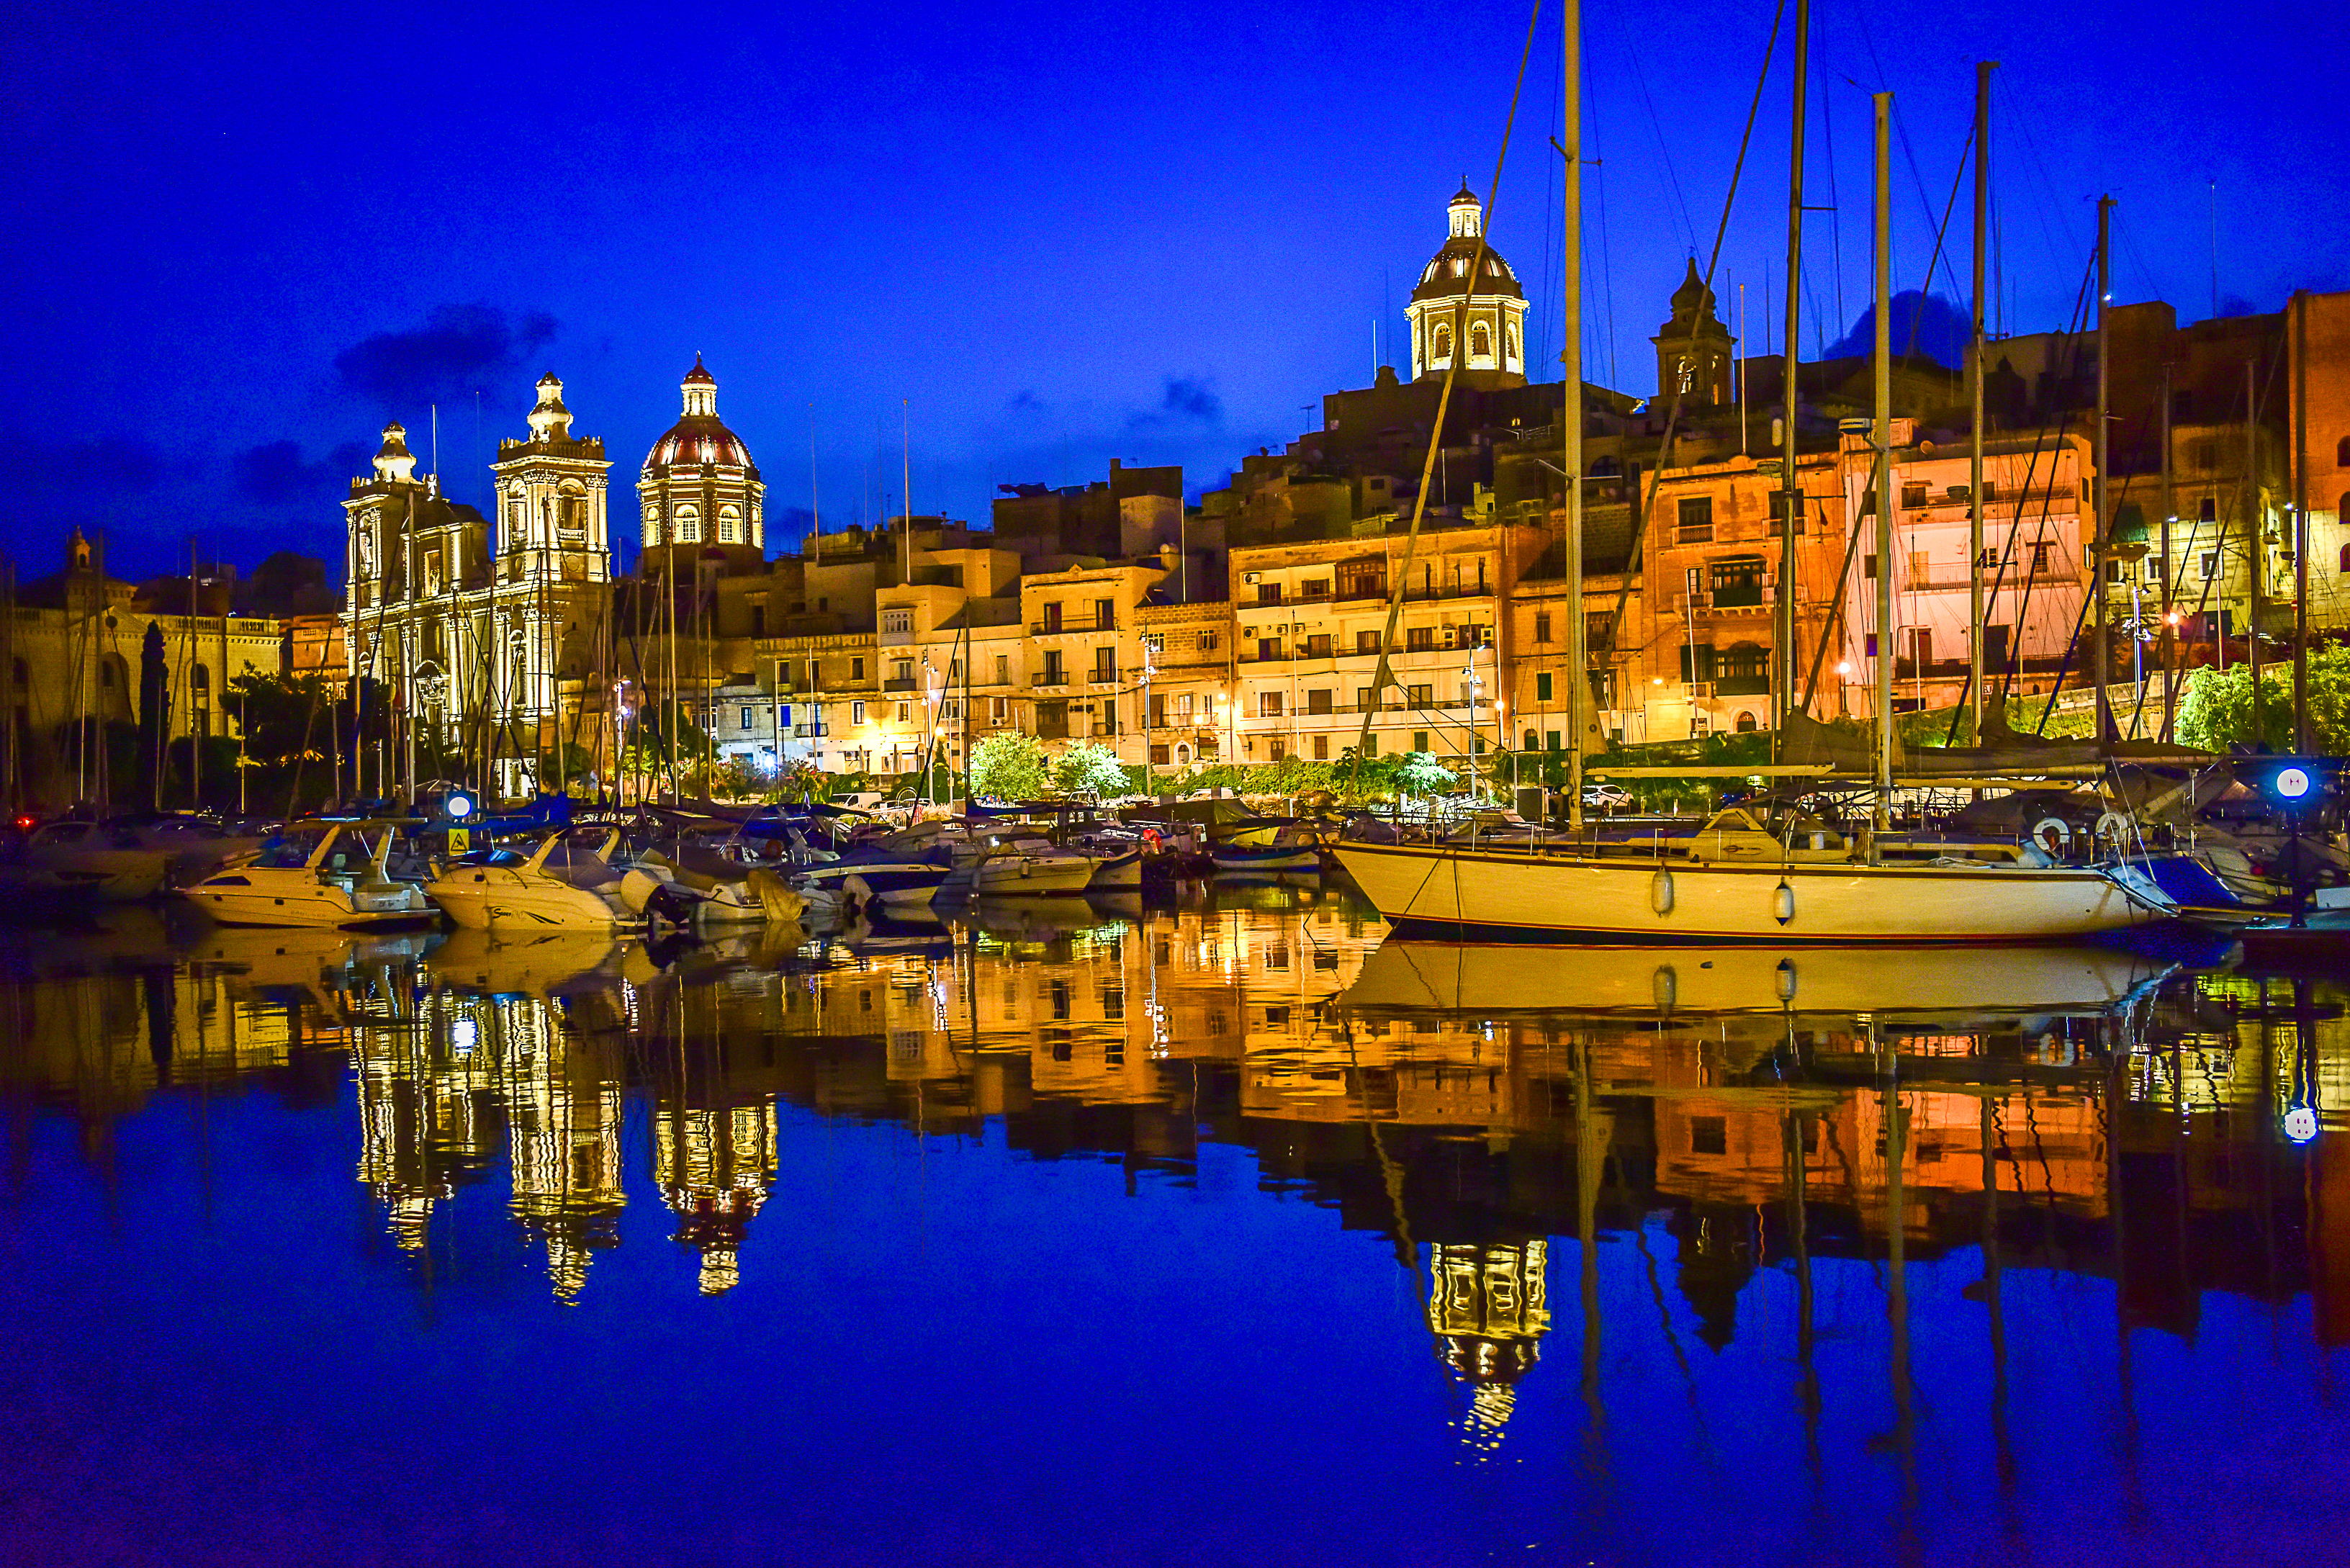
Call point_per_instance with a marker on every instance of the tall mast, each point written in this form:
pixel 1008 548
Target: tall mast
pixel 1783 682
pixel 2100 654
pixel 2301 737
pixel 1975 609
pixel 2169 573
pixel 2256 544
pixel 1570 417
pixel 1881 466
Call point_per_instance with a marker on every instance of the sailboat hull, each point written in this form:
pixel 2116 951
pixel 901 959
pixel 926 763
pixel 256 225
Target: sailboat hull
pixel 1527 897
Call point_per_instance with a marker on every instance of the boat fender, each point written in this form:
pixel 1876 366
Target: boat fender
pixel 1785 975
pixel 1783 902
pixel 1666 987
pixel 2053 833
pixel 2115 829
pixel 1660 894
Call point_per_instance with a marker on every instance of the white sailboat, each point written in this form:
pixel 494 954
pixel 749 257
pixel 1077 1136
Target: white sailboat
pixel 1798 886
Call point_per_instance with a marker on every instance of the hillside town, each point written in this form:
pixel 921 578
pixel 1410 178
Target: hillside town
pixel 1245 625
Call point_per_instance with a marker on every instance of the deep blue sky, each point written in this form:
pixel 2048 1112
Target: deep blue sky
pixel 241 241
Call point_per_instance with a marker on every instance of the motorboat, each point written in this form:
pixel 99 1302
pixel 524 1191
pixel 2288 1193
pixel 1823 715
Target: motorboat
pixel 1275 856
pixel 98 861
pixel 684 895
pixel 898 881
pixel 460 888
pixel 331 876
pixel 568 883
pixel 195 847
pixel 1020 862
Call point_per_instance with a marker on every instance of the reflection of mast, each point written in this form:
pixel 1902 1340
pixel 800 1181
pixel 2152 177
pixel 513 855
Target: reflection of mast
pixel 1590 1159
pixel 1896 1300
pixel 1798 1135
pixel 2001 1442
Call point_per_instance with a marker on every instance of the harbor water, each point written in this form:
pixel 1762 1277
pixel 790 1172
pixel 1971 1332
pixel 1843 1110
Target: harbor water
pixel 1222 1230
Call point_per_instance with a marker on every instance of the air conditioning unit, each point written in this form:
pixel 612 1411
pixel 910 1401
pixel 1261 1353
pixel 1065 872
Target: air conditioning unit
pixel 1250 578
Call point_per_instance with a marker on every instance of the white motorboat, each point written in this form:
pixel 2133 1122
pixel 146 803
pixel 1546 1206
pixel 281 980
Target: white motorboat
pixel 100 861
pixel 328 878
pixel 567 883
pixel 1019 862
pixel 903 883
pixel 194 847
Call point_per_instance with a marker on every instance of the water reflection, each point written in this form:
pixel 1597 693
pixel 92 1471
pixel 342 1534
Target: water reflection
pixel 1704 1139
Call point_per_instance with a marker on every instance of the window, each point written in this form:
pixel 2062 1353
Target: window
pixel 1318 645
pixel 1697 661
pixel 1541 627
pixel 1419 697
pixel 1480 341
pixel 1317 700
pixel 1913 492
pixel 901 712
pixel 2039 558
pixel 2341 453
pixel 1004 670
pixel 1554 741
pixel 1744 670
pixel 1694 520
pixel 1709 1135
pixel 2208 510
pixel 1053 675
pixel 1780 501
pixel 1534 741
pixel 1542 689
pixel 857 669
pixel 1268 704
pixel 903 670
pixel 1159 755
pixel 1280 748
pixel 1105 664
pixel 2210 563
pixel 898 619
pixel 1268 593
pixel 1317 587
pixel 1210 641
pixel 1364 579
pixel 1419 640
pixel 1370 745
pixel 1321 748
pixel 1268 647
pixel 1442 352
pixel 1868 566
pixel 1363 703
pixel 1367 642
pixel 857 712
pixel 1052 621
pixel 1737 582
pixel 745 719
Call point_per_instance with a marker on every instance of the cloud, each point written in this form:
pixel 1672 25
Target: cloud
pixel 1183 399
pixel 275 473
pixel 1924 324
pixel 87 467
pixel 458 350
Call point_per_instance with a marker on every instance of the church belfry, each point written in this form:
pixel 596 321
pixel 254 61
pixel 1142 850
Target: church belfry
pixel 1694 349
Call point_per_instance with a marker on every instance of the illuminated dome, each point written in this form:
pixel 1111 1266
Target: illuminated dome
pixel 1492 317
pixel 698 438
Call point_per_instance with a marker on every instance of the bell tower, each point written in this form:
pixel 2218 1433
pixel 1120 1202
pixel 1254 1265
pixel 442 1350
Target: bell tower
pixel 1694 349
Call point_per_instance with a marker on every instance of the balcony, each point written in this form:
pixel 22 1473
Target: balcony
pixel 1068 624
pixel 810 731
pixel 899 683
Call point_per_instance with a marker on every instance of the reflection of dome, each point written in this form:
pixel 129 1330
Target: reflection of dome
pixel 1487 1307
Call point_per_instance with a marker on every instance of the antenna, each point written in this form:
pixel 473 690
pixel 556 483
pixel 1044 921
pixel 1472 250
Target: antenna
pixel 2215 248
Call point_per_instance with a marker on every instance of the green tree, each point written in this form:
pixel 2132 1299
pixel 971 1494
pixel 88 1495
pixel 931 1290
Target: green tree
pixel 1089 767
pixel 1421 773
pixel 1008 765
pixel 2217 712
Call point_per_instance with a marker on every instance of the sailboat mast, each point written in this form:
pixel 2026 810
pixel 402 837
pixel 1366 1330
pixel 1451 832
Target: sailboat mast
pixel 1570 414
pixel 1975 608
pixel 2300 534
pixel 2100 654
pixel 1881 467
pixel 1792 500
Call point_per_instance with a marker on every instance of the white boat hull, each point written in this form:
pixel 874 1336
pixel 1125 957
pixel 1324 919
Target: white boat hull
pixel 317 906
pixel 1547 896
pixel 1021 875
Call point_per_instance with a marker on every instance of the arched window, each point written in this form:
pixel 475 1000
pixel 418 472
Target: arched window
pixel 1745 722
pixel 688 525
pixel 1443 353
pixel 730 525
pixel 2341 453
pixel 1480 341
pixel 1510 341
pixel 201 679
pixel 2346 570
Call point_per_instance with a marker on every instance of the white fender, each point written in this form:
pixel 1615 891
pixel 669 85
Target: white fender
pixel 1660 892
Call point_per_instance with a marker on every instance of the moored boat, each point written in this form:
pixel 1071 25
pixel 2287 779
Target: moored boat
pixel 330 877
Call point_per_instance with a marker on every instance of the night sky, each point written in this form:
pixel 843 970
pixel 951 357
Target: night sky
pixel 242 241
